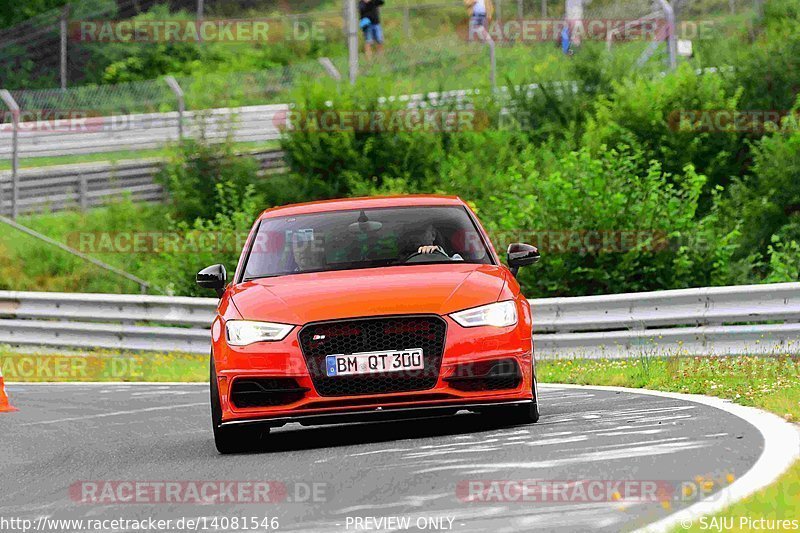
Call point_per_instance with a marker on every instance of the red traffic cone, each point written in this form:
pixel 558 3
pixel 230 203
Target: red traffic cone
pixel 5 406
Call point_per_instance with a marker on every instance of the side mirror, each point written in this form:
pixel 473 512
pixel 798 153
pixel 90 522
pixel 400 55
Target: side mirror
pixel 520 255
pixel 213 277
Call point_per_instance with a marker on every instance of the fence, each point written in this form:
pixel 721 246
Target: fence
pixel 756 319
pixel 93 184
pixel 42 51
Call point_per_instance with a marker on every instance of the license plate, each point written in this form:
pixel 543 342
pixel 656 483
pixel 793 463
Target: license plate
pixel 374 362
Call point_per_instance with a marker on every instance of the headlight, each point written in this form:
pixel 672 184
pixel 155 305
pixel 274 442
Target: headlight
pixel 244 332
pixel 500 314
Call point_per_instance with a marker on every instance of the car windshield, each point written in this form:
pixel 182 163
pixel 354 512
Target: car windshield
pixel 368 238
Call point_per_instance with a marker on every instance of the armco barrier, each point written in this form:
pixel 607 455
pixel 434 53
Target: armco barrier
pixel 144 131
pixel 751 319
pixel 89 185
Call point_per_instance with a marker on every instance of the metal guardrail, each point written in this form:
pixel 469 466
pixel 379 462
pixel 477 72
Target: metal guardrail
pixel 124 322
pixel 142 131
pixel 751 319
pixel 93 184
pixel 747 319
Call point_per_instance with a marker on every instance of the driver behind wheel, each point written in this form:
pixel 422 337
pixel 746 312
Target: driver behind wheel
pixel 430 236
pixel 308 251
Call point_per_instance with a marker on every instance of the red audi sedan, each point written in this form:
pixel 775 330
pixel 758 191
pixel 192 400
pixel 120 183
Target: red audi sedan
pixel 368 308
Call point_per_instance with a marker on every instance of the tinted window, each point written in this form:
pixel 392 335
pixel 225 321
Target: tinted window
pixel 345 240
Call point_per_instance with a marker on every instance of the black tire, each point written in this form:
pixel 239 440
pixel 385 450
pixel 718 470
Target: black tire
pixel 232 439
pixel 521 414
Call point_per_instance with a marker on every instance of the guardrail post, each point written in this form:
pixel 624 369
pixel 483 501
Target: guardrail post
pixel 84 192
pixel 63 27
pixel 14 108
pixel 173 84
pixel 407 20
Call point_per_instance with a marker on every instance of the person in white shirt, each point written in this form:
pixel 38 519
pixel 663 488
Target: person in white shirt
pixel 480 13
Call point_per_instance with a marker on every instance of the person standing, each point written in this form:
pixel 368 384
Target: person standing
pixel 480 13
pixel 574 21
pixel 370 22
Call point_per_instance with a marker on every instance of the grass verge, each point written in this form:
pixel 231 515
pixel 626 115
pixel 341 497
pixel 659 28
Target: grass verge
pixel 769 383
pixel 102 365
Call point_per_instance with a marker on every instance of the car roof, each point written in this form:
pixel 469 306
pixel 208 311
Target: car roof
pixel 346 204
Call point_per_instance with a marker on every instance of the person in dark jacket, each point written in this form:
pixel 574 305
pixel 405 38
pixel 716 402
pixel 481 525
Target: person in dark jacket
pixel 370 21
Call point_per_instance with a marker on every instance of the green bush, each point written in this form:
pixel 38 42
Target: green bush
pixel 784 261
pixel 192 177
pixel 336 163
pixel 205 241
pixel 767 200
pixel 604 225
pixel 646 113
pixel 768 70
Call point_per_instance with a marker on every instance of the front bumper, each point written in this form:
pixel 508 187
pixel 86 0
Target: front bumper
pixel 464 348
pixel 374 414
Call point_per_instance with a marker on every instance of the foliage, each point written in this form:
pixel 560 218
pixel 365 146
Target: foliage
pixel 14 12
pixel 30 264
pixel 768 70
pixel 206 241
pixel 768 199
pixel 193 175
pixel 651 114
pixel 331 163
pixel 608 223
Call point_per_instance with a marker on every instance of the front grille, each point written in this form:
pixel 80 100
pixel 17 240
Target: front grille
pixel 347 337
pixel 265 392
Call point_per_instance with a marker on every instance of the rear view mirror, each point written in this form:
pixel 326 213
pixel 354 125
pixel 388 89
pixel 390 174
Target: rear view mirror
pixel 520 255
pixel 213 277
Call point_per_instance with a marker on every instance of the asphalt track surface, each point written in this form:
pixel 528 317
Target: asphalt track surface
pixel 69 433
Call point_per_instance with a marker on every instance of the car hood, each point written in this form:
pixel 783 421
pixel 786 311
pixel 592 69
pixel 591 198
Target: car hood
pixel 414 289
